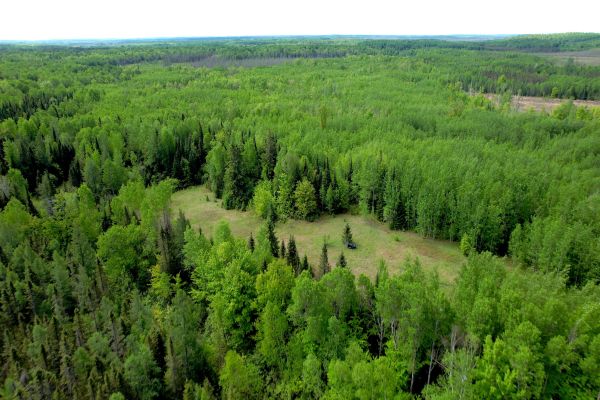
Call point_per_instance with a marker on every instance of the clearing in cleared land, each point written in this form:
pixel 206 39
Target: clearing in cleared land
pixel 525 103
pixel 585 57
pixel 375 241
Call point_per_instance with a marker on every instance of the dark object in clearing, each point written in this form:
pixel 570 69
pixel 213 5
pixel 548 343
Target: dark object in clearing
pixel 351 245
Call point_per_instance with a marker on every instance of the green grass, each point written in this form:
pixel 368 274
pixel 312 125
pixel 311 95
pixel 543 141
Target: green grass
pixel 375 241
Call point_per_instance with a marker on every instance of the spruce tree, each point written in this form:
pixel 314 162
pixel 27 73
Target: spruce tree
pixel 271 236
pixel 234 195
pixel 282 249
pixel 270 157
pixel 292 256
pixel 251 243
pixel 393 211
pixel 170 243
pixel 347 236
pixel 305 265
pixel 342 261
pixel 324 261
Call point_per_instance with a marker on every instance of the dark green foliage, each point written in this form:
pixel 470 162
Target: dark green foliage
pixel 170 243
pixel 305 266
pixel 341 261
pixel 234 191
pixel 272 239
pixel 292 257
pixel 107 293
pixel 347 235
pixel 324 266
pixel 251 244
pixel 269 157
pixel 394 212
pixel 282 252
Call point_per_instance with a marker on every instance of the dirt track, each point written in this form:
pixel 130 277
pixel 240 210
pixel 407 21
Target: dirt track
pixel 524 103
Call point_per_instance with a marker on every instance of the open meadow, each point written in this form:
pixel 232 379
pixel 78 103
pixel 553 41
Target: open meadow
pixel 107 291
pixel 376 242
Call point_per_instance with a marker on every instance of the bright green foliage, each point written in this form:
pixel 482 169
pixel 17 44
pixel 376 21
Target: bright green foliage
pixel 272 331
pixel 510 370
pixel 341 292
pixel 108 292
pixel 457 382
pixel 275 284
pixel 263 199
pixel 216 162
pixel 17 187
pixel 466 247
pixel 304 198
pixel 312 384
pixel 239 378
pixel 14 221
pixel 121 251
pixel 285 198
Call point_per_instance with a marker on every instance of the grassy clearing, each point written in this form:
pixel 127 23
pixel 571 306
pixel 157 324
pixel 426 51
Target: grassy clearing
pixel 585 57
pixel 375 241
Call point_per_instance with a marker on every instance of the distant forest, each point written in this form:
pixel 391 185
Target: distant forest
pixel 108 293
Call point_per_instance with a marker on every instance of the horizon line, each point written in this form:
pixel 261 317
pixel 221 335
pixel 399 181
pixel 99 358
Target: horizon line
pixel 156 38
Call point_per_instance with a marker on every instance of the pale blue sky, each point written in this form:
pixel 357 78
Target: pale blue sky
pixel 84 19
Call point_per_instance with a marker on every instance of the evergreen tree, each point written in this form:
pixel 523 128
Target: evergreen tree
pixel 46 188
pixel 331 200
pixel 393 211
pixel 170 243
pixel 234 192
pixel 282 252
pixel 324 266
pixel 292 256
pixel 251 243
pixel 269 157
pixel 342 261
pixel 305 265
pixel 271 236
pixel 347 235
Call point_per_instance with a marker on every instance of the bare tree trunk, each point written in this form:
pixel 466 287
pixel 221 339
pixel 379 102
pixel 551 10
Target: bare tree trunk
pixel 431 353
pixel 430 365
pixel 412 373
pixel 381 334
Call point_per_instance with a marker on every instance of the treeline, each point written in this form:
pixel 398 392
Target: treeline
pixel 435 187
pixel 523 75
pixel 479 65
pixel 548 42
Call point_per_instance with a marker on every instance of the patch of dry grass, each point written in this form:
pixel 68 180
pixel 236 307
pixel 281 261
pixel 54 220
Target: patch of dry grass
pixel 585 57
pixel 375 241
pixel 525 103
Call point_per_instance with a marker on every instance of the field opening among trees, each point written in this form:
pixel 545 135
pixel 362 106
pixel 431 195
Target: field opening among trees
pixel 107 291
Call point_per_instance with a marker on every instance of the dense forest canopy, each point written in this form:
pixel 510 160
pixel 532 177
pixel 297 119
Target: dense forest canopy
pixel 105 292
